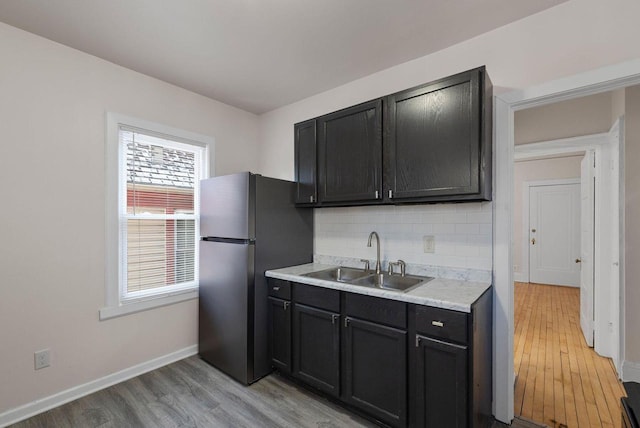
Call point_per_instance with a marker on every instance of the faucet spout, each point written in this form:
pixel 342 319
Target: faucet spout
pixel 372 235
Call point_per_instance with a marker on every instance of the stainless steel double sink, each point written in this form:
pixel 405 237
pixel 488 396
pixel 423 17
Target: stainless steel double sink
pixel 367 278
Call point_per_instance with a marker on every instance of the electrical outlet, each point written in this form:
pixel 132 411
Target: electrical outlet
pixel 41 359
pixel 429 242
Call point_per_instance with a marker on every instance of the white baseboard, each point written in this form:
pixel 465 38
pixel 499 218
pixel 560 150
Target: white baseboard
pixel 38 406
pixel 520 277
pixel 630 371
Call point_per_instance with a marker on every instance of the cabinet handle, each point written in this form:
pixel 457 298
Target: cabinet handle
pixel 437 323
pixel 286 305
pixel 346 321
pixel 311 198
pixel 390 194
pixel 334 318
pixel 276 288
pixel 417 341
pixel 377 194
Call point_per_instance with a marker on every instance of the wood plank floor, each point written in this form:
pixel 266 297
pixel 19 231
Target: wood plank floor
pixel 560 382
pixel 191 393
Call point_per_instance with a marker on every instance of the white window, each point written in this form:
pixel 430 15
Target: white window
pixel 153 175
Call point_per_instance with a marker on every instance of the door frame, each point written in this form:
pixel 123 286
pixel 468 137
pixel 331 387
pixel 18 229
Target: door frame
pixel 526 196
pixel 588 83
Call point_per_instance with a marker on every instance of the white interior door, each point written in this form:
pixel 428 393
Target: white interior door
pixel 554 234
pixel 587 187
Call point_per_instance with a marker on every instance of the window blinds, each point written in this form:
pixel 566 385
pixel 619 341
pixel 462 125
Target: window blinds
pixel 158 215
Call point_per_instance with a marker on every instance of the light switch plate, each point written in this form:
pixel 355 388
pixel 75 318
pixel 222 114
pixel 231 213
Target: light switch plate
pixel 429 243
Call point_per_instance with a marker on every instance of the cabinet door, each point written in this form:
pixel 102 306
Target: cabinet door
pixel 316 348
pixel 350 154
pixel 280 334
pixel 305 162
pixel 433 139
pixel 441 384
pixel 375 370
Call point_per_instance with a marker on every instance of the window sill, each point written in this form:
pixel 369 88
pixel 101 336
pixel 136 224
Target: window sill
pixel 144 305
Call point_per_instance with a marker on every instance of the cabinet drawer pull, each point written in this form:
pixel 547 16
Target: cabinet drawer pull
pixel 437 323
pixel 276 288
pixel 286 305
pixel 346 321
pixel 334 318
pixel 417 341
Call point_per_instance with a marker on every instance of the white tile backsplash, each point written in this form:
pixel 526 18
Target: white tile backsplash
pixel 463 233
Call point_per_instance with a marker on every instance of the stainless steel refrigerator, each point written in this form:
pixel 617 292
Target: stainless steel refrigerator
pixel 248 225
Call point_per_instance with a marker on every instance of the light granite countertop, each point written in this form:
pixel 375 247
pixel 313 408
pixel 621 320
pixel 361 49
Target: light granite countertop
pixel 453 294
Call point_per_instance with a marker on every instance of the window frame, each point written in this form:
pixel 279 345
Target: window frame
pixel 116 302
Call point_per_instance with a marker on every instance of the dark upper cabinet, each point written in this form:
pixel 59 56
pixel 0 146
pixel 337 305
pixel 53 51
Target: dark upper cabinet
pixel 375 370
pixel 350 154
pixel 441 384
pixel 316 348
pixel 280 334
pixel 437 141
pixel 305 162
pixel 432 144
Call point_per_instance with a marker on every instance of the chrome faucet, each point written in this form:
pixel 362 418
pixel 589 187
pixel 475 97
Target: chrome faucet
pixel 371 235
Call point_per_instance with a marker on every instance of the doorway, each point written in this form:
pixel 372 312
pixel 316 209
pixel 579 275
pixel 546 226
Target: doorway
pixel 597 81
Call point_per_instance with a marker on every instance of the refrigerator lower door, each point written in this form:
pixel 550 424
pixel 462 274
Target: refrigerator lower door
pixel 226 307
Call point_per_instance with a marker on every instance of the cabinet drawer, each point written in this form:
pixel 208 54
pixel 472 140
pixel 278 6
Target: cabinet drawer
pixel 279 288
pixel 323 298
pixel 375 309
pixel 441 323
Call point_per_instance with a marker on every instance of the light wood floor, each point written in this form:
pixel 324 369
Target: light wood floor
pixel 560 381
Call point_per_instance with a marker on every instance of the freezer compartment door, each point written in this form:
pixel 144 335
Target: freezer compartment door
pixel 226 307
pixel 227 206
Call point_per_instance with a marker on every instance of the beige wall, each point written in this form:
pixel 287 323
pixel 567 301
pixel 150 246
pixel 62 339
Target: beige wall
pixel 632 223
pixel 535 170
pixel 572 118
pixel 52 252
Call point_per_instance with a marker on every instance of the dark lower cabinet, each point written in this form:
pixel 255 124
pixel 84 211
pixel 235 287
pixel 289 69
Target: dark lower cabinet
pixel 316 348
pixel 450 365
pixel 375 370
pixel 280 334
pixel 441 384
pixel 396 363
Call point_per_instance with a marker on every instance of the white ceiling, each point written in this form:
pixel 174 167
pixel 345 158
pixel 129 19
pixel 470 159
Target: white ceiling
pixel 259 55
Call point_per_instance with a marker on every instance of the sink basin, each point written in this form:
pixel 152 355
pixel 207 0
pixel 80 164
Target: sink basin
pixel 370 279
pixel 340 274
pixel 392 282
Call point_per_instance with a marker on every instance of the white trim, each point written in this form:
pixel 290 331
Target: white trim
pixel 563 146
pixel 38 406
pixel 521 276
pixel 591 82
pixel 503 324
pixel 622 243
pixel 114 306
pixel 631 371
pixel 109 312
